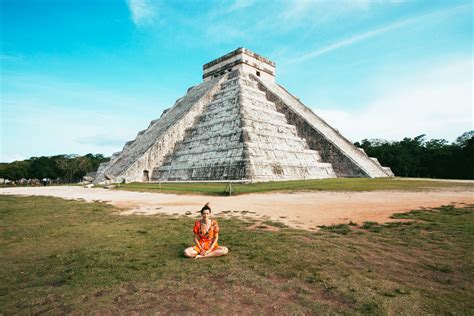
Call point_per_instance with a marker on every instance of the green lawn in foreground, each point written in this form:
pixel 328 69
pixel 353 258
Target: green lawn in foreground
pixel 340 184
pixel 62 256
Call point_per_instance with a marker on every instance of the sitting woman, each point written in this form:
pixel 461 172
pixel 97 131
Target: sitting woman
pixel 206 234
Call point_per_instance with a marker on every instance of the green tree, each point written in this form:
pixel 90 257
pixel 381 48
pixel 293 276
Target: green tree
pixel 66 167
pixel 418 157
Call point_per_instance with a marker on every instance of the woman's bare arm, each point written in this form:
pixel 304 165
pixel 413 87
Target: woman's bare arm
pixel 196 240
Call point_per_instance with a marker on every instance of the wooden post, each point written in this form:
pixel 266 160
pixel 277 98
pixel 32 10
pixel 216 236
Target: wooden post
pixel 229 185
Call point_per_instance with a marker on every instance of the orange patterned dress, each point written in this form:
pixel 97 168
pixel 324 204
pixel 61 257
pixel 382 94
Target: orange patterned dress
pixel 205 238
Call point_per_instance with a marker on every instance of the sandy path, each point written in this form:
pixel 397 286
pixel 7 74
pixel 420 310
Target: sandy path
pixel 301 210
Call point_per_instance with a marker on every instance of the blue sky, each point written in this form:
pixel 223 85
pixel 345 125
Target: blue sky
pixel 86 76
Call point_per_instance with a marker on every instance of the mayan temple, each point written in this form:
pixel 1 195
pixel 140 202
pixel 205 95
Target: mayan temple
pixel 238 124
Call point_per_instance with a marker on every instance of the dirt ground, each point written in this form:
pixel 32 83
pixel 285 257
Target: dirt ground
pixel 305 210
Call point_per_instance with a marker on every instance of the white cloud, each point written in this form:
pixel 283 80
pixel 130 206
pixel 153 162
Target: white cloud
pixel 366 4
pixel 142 11
pixel 241 4
pixel 352 40
pixel 249 20
pixel 220 9
pixel 317 11
pixel 373 33
pixel 437 103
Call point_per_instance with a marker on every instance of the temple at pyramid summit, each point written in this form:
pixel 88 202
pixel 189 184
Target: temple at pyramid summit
pixel 238 124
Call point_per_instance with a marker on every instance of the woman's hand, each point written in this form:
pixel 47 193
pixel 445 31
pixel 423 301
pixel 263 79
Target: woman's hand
pixel 206 252
pixel 203 252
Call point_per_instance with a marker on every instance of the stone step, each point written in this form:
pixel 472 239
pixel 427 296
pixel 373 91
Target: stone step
pixel 254 111
pixel 271 138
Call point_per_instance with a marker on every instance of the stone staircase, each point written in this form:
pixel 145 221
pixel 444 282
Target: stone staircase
pixel 240 135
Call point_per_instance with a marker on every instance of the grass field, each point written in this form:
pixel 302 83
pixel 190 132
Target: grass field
pixel 62 256
pixel 340 184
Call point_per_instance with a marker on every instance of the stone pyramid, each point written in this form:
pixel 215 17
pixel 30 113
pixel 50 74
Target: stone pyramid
pixel 239 124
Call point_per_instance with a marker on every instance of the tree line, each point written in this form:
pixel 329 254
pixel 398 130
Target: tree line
pixel 66 168
pixel 419 157
pixel 410 157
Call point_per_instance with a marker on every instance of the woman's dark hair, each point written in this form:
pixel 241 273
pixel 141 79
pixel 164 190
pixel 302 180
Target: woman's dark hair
pixel 205 207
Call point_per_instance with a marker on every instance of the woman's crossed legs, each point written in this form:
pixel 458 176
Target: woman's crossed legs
pixel 190 252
